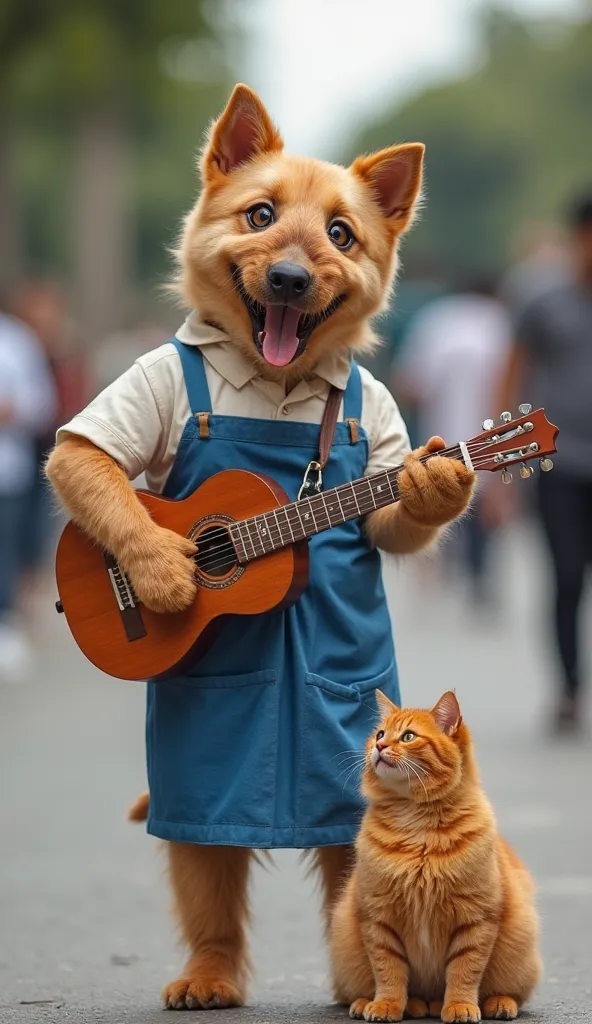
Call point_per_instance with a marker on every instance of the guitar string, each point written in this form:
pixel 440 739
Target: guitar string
pixel 474 447
pixel 450 451
pixel 229 550
pixel 225 551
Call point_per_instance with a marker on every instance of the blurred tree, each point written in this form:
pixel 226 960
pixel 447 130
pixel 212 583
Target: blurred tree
pixel 104 80
pixel 505 145
pixel 18 24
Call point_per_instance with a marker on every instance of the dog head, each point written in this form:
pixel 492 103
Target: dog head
pixel 290 255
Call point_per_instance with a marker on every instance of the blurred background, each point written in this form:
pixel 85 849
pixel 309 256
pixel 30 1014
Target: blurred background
pixel 102 111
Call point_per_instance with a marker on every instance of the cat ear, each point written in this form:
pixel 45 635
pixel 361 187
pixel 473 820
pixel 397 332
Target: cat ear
pixel 394 175
pixel 243 130
pixel 385 706
pixel 447 713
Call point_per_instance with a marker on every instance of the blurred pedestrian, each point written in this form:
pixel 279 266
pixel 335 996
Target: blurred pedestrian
pixel 543 263
pixel 449 370
pixel 43 307
pixel 27 406
pixel 553 351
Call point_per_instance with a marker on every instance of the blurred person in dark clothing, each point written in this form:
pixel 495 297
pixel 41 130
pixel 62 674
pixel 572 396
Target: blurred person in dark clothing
pixel 553 351
pixel 449 369
pixel 42 306
pixel 27 407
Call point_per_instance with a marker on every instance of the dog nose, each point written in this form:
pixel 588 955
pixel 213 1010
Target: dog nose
pixel 288 281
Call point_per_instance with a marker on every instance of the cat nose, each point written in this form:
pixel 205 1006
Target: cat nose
pixel 381 744
pixel 288 281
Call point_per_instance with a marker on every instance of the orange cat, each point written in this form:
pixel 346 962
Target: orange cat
pixel 438 918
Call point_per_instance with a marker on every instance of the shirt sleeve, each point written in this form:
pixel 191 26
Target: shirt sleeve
pixel 388 437
pixel 126 420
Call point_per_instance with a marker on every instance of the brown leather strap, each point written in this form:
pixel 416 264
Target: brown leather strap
pixel 203 418
pixel 328 424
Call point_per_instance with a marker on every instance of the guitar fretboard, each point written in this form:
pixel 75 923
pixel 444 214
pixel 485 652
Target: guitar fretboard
pixel 262 534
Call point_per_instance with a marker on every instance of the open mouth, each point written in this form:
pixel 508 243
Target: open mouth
pixel 281 332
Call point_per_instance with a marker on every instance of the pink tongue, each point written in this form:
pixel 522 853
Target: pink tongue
pixel 280 338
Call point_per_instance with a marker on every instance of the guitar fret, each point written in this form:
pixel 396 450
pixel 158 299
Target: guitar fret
pixel 284 510
pixel 320 508
pixel 296 525
pixel 251 525
pixel 243 526
pixel 236 539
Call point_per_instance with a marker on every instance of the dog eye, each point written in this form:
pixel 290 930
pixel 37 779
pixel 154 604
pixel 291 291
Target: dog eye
pixel 380 734
pixel 260 216
pixel 407 736
pixel 341 235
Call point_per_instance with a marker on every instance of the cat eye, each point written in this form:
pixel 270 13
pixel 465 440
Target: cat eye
pixel 260 216
pixel 380 734
pixel 408 736
pixel 341 235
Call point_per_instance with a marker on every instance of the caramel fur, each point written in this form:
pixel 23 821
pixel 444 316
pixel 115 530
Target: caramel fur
pixel 438 916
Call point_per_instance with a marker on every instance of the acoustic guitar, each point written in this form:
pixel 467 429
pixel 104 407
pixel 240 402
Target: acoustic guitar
pixel 252 552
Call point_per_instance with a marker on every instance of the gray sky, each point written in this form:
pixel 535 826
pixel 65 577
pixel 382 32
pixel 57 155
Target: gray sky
pixel 320 64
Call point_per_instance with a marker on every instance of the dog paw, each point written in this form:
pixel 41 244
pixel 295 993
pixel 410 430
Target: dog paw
pixel 384 1009
pixel 465 1012
pixel 500 1008
pixel 417 1008
pixel 435 492
pixel 435 1008
pixel 356 1010
pixel 163 572
pixel 201 994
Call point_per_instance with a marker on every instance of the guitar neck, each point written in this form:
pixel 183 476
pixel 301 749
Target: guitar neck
pixel 265 533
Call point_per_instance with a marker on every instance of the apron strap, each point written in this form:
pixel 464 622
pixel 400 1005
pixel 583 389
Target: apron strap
pixel 194 372
pixel 352 402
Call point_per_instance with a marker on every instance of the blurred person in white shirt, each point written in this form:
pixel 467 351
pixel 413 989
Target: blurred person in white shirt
pixel 449 371
pixel 27 406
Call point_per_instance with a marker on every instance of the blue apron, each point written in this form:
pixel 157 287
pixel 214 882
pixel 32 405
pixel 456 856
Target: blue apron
pixel 250 747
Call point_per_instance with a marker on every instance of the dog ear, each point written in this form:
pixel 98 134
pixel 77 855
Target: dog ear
pixel 394 175
pixel 243 130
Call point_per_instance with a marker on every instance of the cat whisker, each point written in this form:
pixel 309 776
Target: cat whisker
pixel 411 765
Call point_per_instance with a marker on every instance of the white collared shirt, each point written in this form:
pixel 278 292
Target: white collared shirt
pixel 139 419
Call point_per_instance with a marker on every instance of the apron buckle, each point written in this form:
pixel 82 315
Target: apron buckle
pixel 309 486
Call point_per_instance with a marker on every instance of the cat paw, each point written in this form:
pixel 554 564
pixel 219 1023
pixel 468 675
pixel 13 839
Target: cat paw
pixel 384 1009
pixel 461 1012
pixel 201 994
pixel 417 1008
pixel 356 1010
pixel 435 1008
pixel 500 1008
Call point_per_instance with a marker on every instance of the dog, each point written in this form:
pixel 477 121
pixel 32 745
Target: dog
pixel 283 262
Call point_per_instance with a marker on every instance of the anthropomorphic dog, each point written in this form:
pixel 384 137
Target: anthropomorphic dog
pixel 283 261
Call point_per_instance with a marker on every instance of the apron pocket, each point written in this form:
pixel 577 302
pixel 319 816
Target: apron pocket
pixel 338 719
pixel 212 746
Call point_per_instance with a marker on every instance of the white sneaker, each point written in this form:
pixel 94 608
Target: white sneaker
pixel 15 654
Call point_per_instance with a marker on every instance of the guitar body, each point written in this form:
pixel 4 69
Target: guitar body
pixel 126 640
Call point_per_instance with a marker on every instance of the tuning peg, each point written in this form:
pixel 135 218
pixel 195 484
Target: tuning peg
pixel 546 465
pixel 524 409
pixel 505 417
pixel 506 476
pixel 488 424
pixel 526 471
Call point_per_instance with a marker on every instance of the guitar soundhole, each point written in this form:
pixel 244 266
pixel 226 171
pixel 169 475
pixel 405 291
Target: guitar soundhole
pixel 216 561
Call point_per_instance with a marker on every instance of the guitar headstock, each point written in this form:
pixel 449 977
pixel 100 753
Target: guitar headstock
pixel 530 436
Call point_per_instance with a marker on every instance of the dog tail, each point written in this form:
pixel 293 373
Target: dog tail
pixel 139 810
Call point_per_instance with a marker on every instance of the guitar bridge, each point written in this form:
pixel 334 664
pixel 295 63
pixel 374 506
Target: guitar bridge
pixel 129 611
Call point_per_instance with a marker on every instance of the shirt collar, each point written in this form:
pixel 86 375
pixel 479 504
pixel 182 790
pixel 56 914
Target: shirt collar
pixel 229 361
